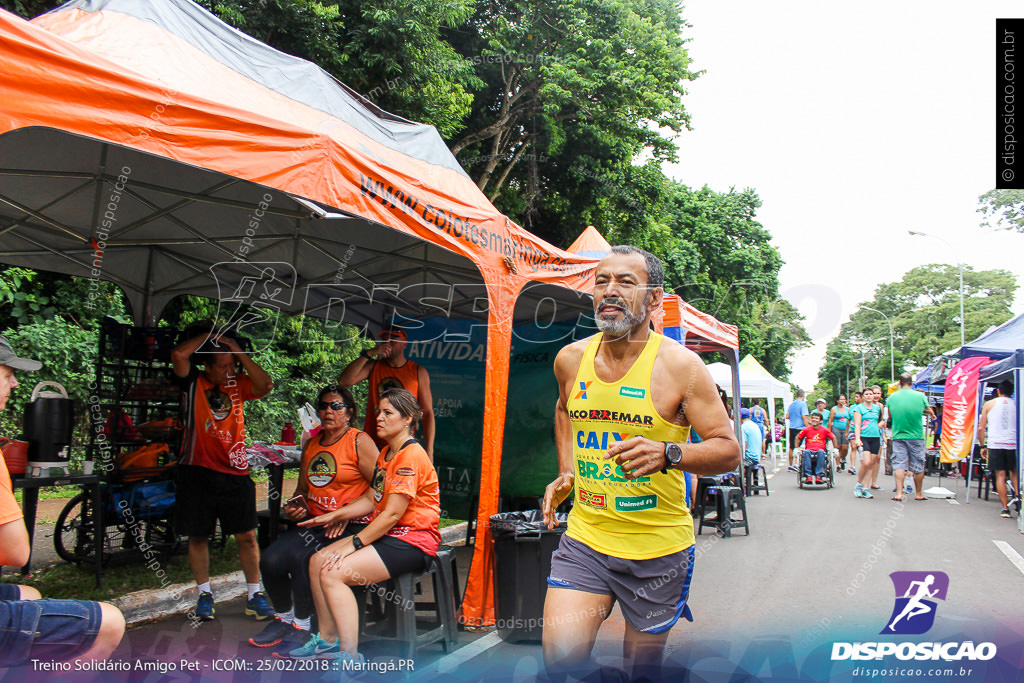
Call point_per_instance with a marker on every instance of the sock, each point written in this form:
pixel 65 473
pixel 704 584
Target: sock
pixel 205 588
pixel 253 589
pixel 287 617
pixel 304 624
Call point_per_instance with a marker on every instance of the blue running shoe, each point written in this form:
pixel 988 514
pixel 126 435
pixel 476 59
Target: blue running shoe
pixel 204 608
pixel 315 647
pixel 258 606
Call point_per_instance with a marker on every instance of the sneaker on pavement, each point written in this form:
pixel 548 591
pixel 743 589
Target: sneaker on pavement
pixel 808 480
pixel 865 493
pixel 819 480
pixel 1005 513
pixel 258 606
pixel 204 607
pixel 273 634
pixel 792 468
pixel 294 639
pixel 851 471
pixel 314 647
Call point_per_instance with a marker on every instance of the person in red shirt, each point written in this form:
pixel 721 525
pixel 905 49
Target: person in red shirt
pixel 213 472
pixel 815 439
pixel 405 500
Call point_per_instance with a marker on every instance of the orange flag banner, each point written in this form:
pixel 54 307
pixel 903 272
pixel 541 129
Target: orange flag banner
pixel 959 409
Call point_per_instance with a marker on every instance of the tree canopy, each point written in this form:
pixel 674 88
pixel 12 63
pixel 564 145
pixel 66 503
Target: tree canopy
pixel 924 308
pixel 1002 209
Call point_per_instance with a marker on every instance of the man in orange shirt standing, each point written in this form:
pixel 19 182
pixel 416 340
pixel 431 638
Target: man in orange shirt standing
pixel 386 366
pixel 32 628
pixel 213 472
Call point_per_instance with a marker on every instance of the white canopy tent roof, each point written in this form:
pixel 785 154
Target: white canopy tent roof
pixel 755 382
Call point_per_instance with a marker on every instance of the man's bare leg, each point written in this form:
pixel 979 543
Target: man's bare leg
pixel 571 621
pixel 645 651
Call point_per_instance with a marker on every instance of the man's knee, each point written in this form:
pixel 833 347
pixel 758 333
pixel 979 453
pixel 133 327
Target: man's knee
pixel 112 625
pixel 29 593
pixel 246 539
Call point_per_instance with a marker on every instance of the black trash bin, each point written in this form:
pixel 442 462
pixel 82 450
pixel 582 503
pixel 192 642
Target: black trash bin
pixel 522 562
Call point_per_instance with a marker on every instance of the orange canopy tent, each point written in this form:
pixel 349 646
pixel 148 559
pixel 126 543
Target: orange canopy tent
pixel 149 144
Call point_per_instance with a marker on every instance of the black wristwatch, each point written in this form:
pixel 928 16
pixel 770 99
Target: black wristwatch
pixel 357 544
pixel 365 355
pixel 673 454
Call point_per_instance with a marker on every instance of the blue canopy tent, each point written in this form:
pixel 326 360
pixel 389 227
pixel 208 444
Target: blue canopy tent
pixel 1003 345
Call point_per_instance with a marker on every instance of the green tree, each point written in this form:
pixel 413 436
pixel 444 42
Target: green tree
pixel 614 67
pixel 924 308
pixel 1002 209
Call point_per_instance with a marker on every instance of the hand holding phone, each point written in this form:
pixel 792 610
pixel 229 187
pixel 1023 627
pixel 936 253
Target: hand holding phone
pixel 296 507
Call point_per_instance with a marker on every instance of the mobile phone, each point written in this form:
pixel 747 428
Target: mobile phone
pixel 299 502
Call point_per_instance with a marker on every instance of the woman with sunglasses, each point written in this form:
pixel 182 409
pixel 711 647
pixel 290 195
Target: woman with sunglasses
pixel 404 499
pixel 335 470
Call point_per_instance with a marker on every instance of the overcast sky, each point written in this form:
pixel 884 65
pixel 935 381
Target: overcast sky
pixel 854 123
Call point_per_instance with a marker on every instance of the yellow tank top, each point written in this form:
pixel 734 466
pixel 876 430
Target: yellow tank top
pixel 635 519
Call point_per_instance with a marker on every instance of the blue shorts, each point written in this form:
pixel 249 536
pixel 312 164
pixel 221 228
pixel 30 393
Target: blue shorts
pixel 53 630
pixel 9 591
pixel 652 593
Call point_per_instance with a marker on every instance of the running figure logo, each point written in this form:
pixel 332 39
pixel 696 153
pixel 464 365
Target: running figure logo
pixel 914 611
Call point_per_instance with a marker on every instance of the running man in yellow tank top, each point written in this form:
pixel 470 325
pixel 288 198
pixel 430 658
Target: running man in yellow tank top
pixel 627 400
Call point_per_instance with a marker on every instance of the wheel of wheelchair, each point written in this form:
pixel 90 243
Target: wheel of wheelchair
pixel 74 534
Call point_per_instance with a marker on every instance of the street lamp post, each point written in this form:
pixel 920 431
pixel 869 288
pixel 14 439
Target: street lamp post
pixel 960 265
pixel 892 357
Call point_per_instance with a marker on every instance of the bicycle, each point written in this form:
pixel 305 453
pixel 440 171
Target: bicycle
pixel 136 519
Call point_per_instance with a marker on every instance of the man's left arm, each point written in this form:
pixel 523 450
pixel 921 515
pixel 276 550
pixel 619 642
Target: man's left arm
pixel 427 406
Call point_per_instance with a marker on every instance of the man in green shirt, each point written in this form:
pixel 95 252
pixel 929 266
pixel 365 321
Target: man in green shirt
pixel 906 407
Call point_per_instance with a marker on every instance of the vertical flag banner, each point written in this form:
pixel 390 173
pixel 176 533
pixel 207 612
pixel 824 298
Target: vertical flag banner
pixel 960 405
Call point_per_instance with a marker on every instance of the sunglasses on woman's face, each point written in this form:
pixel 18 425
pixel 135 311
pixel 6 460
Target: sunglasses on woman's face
pixel 333 405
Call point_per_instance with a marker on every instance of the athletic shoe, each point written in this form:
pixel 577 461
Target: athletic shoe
pixel 204 607
pixel 865 493
pixel 258 606
pixel 1015 504
pixel 1006 513
pixel 350 667
pixel 314 647
pixel 273 634
pixel 851 471
pixel 809 480
pixel 793 468
pixel 908 489
pixel 819 480
pixel 294 639
pixel 857 489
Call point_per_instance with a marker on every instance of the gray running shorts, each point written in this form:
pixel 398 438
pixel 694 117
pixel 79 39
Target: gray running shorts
pixel 651 593
pixel 908 454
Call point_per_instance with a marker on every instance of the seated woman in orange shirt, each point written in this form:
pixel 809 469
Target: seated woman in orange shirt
pixel 335 470
pixel 404 499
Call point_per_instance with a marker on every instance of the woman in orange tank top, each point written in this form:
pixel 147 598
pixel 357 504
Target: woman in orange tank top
pixel 404 499
pixel 335 470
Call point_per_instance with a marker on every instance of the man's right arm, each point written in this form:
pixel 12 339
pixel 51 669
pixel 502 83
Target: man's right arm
pixel 182 353
pixel 566 364
pixel 356 371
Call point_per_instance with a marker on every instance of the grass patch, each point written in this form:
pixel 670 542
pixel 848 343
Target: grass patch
pixel 449 522
pixel 122 575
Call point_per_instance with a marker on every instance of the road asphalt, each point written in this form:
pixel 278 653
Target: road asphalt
pixel 814 571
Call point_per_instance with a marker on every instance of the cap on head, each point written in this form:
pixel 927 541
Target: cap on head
pixel 744 413
pixel 820 400
pixel 9 358
pixel 393 333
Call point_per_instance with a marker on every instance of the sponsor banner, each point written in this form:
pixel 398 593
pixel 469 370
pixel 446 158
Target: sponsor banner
pixel 959 408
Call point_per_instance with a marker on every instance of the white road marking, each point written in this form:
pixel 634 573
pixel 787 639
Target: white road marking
pixel 449 663
pixel 1011 554
pixel 952 501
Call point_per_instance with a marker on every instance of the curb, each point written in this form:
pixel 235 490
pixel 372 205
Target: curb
pixel 144 606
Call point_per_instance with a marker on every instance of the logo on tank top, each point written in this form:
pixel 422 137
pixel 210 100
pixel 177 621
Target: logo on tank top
pixel 583 390
pixel 632 392
pixel 322 469
pixel 389 383
pixel 378 484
